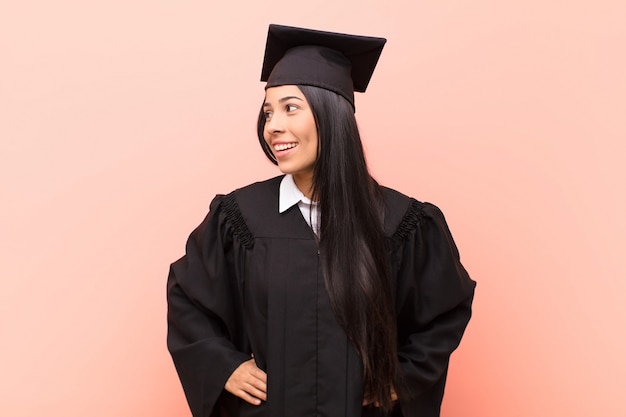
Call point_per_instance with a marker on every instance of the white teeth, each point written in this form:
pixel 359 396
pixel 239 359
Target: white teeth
pixel 283 146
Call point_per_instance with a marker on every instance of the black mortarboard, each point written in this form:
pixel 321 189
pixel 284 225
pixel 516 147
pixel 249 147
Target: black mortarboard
pixel 334 61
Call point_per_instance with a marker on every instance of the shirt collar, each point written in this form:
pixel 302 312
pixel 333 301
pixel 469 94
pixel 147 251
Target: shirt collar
pixel 289 194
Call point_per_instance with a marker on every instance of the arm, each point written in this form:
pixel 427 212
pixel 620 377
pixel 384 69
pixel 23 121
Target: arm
pixel 205 333
pixel 434 297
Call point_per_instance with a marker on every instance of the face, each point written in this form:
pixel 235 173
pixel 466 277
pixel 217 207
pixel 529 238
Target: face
pixel 290 131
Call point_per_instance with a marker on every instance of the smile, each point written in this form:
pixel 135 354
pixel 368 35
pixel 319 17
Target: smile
pixel 284 146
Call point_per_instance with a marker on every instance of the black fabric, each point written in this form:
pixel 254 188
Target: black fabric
pixel 251 283
pixel 338 62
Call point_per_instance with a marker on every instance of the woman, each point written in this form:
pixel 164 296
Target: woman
pixel 317 293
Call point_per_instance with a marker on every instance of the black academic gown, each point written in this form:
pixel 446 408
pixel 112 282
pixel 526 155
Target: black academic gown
pixel 251 283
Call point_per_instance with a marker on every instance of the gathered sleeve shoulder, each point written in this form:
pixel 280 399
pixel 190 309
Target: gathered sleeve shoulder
pixel 205 335
pixel 433 303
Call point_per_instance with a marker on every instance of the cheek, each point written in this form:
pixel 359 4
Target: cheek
pixel 314 136
pixel 311 130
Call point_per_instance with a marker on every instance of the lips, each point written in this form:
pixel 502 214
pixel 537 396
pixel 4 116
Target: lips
pixel 284 146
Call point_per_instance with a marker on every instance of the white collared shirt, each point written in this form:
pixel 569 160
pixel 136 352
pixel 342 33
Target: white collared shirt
pixel 289 195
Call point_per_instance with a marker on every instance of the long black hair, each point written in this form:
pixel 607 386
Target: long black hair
pixel 352 241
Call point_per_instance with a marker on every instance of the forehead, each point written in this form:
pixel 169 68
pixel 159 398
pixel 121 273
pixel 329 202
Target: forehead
pixel 274 94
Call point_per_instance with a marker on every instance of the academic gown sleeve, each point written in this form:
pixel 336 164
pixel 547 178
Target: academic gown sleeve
pixel 205 337
pixel 433 302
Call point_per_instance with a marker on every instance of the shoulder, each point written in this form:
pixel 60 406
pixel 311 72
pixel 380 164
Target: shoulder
pixel 264 193
pixel 251 194
pixel 239 209
pixel 404 214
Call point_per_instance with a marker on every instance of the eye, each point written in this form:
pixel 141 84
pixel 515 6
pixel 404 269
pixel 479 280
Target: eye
pixel 268 115
pixel 291 107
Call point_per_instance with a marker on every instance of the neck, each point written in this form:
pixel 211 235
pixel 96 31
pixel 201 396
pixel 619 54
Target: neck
pixel 304 182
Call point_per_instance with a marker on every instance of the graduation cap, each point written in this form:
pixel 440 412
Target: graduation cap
pixel 337 62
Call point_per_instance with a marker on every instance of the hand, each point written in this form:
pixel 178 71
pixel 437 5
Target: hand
pixel 367 401
pixel 248 382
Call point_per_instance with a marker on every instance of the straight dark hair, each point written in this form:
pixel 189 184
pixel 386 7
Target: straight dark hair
pixel 352 241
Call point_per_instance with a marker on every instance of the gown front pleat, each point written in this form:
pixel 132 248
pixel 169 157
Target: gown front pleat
pixel 293 332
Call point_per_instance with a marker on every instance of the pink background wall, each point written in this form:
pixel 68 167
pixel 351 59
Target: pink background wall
pixel 120 120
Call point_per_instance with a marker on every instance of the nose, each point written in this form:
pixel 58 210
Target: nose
pixel 275 124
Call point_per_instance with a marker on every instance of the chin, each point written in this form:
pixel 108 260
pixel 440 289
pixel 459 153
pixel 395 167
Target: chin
pixel 285 169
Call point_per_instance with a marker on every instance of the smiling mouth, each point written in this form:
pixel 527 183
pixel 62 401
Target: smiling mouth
pixel 285 146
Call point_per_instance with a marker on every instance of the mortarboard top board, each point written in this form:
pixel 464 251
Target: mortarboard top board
pixel 334 61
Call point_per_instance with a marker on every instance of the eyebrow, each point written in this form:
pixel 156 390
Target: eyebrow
pixel 282 100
